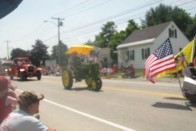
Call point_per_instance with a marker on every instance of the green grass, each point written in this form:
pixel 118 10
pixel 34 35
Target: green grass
pixel 139 73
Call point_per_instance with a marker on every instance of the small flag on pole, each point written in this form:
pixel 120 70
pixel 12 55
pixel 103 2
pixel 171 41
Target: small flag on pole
pixel 161 60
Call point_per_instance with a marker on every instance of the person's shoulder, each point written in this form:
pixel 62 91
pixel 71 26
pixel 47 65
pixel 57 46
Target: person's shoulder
pixel 33 123
pixel 19 112
pixel 31 119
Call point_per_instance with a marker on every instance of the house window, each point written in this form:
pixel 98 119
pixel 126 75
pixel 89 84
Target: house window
pixel 145 53
pixel 175 33
pixel 172 33
pixel 131 55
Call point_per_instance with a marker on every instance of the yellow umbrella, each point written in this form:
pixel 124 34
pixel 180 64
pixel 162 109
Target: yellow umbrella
pixel 80 49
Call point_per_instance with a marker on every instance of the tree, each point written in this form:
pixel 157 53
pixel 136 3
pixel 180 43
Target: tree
pixel 102 40
pixel 118 38
pixel 163 13
pixel 131 27
pixel 55 53
pixel 18 53
pixel 158 15
pixel 191 29
pixel 89 42
pixel 39 53
pixel 182 19
pixel 63 57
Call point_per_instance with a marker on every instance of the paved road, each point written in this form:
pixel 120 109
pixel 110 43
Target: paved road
pixel 121 105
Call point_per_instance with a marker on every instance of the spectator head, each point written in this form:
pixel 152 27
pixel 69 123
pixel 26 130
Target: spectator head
pixel 29 102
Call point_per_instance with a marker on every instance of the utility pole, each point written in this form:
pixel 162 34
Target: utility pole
pixel 59 23
pixel 8 49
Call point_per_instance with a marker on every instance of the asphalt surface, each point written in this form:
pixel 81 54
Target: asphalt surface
pixel 164 79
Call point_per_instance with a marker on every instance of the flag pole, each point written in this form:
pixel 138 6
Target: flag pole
pixel 193 50
pixel 180 83
pixel 192 57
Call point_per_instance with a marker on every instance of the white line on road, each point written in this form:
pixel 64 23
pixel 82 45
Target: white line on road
pixel 87 115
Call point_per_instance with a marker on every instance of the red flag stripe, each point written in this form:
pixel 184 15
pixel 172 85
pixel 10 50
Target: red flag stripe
pixel 161 60
pixel 171 67
pixel 148 63
pixel 165 67
pixel 162 65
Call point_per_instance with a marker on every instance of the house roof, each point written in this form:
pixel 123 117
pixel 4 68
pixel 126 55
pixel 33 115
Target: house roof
pixel 147 33
pixel 135 43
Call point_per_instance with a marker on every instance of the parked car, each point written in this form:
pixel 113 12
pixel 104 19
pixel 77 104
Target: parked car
pixel 4 66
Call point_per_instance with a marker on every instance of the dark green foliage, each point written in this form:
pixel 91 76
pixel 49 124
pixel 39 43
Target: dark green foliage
pixel 102 40
pixel 39 53
pixel 18 53
pixel 57 50
pixel 164 13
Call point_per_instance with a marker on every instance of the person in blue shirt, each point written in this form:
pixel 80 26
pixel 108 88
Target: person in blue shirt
pixel 23 119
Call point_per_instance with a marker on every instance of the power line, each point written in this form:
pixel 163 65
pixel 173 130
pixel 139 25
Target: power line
pixel 81 11
pixel 108 18
pixel 73 7
pixel 114 16
pixel 187 2
pixel 30 34
pixel 111 17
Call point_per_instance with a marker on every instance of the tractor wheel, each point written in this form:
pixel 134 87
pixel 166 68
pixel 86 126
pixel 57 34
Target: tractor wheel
pixel 67 79
pixel 96 84
pixel 39 75
pixel 88 81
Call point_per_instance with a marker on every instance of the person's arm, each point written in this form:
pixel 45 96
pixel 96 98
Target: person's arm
pixel 30 122
pixel 11 98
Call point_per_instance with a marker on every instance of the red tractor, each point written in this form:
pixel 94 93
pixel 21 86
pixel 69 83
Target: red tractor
pixel 23 69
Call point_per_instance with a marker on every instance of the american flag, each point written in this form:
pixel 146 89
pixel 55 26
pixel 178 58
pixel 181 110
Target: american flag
pixel 161 60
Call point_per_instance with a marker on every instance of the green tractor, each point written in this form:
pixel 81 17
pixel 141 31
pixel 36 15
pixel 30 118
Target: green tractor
pixel 79 71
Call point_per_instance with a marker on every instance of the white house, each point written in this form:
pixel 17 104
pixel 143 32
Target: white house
pixel 142 43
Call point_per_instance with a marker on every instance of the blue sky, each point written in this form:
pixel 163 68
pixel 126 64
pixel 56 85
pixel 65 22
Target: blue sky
pixel 83 19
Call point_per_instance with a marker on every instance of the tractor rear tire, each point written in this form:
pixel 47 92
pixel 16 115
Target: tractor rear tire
pixel 88 81
pixel 67 79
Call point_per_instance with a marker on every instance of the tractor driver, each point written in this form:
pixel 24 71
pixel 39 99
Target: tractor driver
pixel 75 60
pixel 76 63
